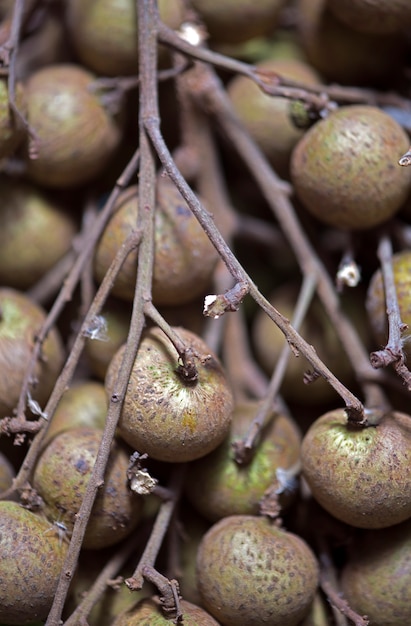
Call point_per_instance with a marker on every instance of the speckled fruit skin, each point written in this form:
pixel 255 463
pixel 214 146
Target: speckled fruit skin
pixel 163 416
pixel 362 476
pixel 148 613
pixel 184 258
pixel 76 135
pixel 61 477
pixel 345 169
pixel 31 558
pixel 250 572
pixel 217 486
pixel 266 118
pixel 375 300
pixel 373 16
pixel 234 21
pixel 376 580
pixel 20 322
pixel 105 32
pixel 28 216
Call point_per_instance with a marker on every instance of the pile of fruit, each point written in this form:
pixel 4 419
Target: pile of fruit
pixel 205 311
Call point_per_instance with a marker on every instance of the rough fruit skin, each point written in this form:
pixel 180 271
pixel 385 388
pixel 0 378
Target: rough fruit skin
pixel 148 613
pixel 31 558
pixel 361 476
pixel 217 486
pixel 163 416
pixel 376 580
pixel 375 300
pixel 250 572
pixel 345 168
pixel 61 477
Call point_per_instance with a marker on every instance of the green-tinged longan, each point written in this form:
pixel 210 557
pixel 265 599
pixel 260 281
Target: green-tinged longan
pixel 376 580
pixel 31 558
pixel 361 476
pixel 251 572
pixel 12 131
pixel 345 168
pixel 165 416
pixel 28 217
pixel 217 486
pixel 20 322
pixel 377 307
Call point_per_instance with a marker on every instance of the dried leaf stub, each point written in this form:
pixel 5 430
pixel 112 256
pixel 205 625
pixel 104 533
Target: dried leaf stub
pixel 405 160
pixel 142 483
pixel 348 275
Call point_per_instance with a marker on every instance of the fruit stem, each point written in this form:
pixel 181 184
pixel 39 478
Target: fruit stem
pixel 169 593
pixel 186 369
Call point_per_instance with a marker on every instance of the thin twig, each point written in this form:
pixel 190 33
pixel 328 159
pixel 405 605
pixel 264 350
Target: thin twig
pixel 245 375
pixel 212 94
pixel 147 20
pixel 160 527
pixel 99 586
pixel 327 584
pixel 354 407
pixel 8 54
pixel 319 96
pixel 243 448
pixel 393 352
